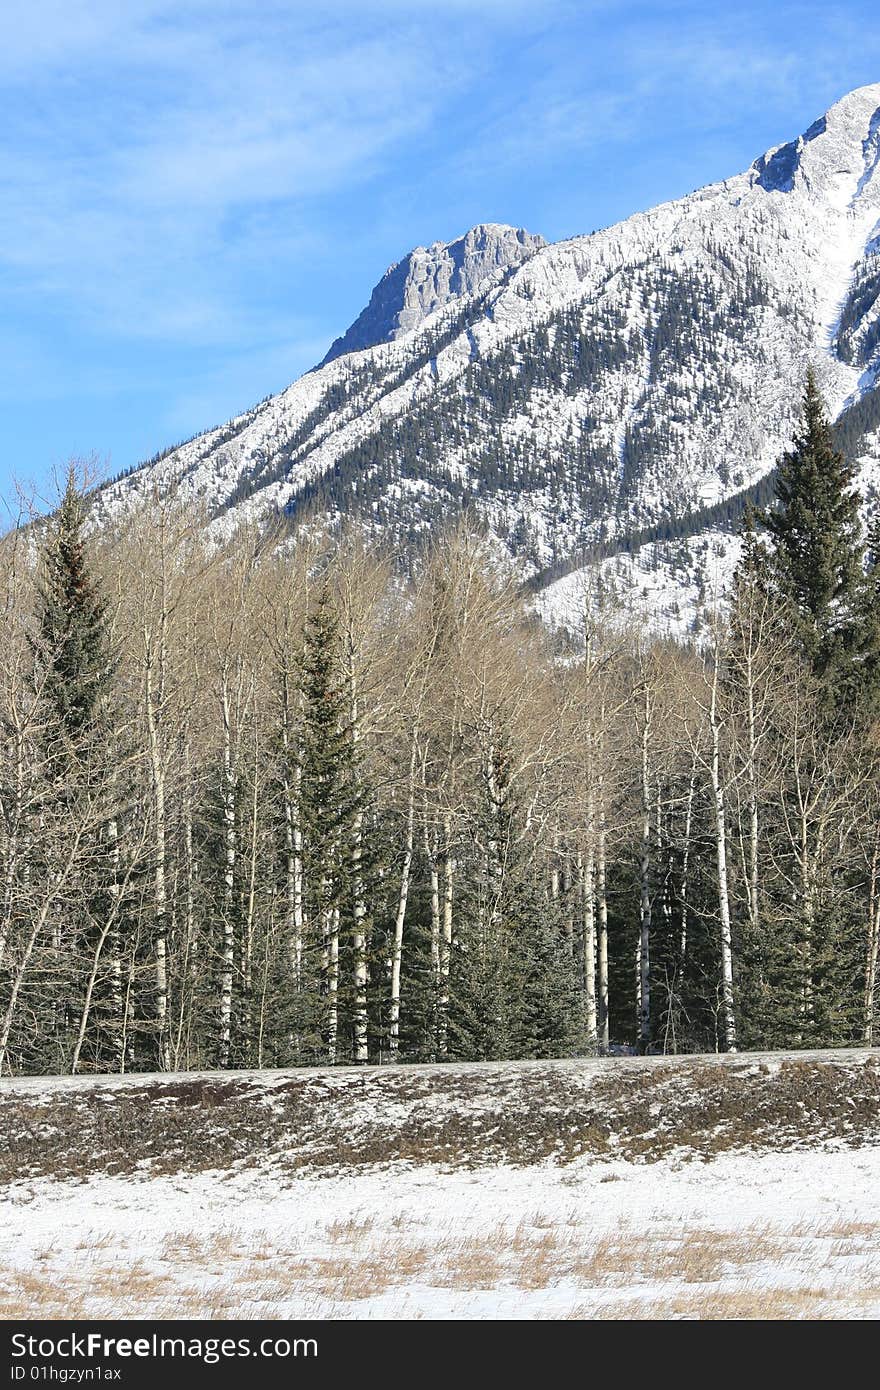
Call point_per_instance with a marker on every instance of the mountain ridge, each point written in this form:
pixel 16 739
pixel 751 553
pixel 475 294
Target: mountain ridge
pixel 596 387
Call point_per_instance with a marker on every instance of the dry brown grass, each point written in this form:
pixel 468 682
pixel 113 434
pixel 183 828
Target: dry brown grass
pixel 96 1240
pixel 353 1228
pixel 814 1304
pixel 467 1265
pixel 702 1273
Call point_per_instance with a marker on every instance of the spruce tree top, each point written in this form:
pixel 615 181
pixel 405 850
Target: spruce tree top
pixel 74 644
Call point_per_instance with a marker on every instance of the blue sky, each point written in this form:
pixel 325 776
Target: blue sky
pixel 197 197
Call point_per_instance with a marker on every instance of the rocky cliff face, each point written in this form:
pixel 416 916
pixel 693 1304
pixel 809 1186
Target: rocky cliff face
pixel 429 277
pixel 627 389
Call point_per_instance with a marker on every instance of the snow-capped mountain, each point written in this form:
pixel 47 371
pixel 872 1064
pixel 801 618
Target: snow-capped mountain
pixel 620 390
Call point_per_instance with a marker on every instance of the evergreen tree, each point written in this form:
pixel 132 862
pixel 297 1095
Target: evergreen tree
pixel 331 796
pixel 326 747
pixel 74 647
pixel 751 580
pixel 514 992
pixel 817 553
pixel 542 1004
pixel 75 669
pixel 870 673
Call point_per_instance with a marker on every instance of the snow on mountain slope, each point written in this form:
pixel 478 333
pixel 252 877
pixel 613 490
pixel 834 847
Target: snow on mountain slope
pixel 670 588
pixel 636 380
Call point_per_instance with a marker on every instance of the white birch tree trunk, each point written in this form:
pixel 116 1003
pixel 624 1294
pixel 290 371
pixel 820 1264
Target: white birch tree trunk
pixel 230 845
pixel 160 889
pixel 12 866
pixel 400 918
pixel 602 913
pixel 432 851
pixel 685 875
pixel 359 897
pixel 116 1000
pixel 589 885
pixel 554 867
pixel 250 923
pixel 333 983
pixel 293 834
pixel 873 947
pixel 190 870
pixel 446 936
pixel 753 797
pixel 728 1016
pixel 643 963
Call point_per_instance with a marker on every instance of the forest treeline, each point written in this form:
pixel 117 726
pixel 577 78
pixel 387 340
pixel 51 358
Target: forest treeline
pixel 266 805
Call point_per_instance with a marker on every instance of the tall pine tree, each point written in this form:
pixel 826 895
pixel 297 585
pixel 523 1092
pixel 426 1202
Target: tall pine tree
pixel 74 647
pixel 75 668
pixel 331 797
pixel 817 555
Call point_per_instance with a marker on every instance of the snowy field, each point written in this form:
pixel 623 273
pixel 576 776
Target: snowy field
pixel 693 1188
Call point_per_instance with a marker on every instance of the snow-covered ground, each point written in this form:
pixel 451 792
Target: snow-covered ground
pixel 784 1234
pixel 723 1188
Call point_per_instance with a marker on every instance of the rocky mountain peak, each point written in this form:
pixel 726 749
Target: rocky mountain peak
pixel 625 393
pixel 430 276
pixel 839 153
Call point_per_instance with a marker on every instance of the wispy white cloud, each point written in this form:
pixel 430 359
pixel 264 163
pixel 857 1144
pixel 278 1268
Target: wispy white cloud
pixel 153 152
pixel 194 194
pixel 668 83
pixel 153 142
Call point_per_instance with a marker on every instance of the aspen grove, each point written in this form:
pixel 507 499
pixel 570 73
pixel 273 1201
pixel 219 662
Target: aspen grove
pixel 282 802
